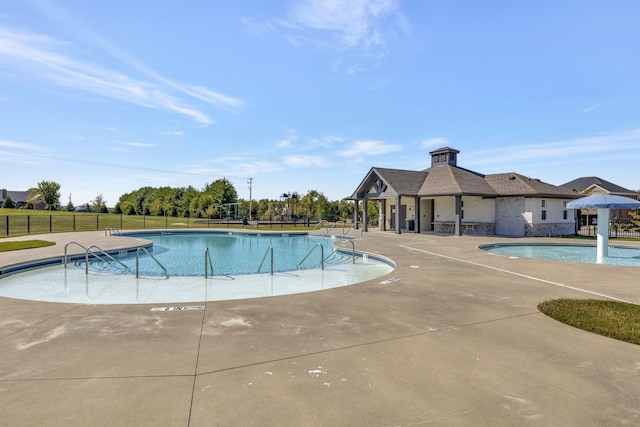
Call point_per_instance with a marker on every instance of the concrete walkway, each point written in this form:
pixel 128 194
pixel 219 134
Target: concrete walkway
pixel 453 339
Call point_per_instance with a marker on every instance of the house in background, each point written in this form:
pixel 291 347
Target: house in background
pixel 590 185
pixel 448 198
pixel 19 198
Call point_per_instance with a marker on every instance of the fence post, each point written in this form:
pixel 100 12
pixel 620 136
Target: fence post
pixel 28 224
pixel 7 217
pixel 120 221
pixel 97 222
pixel 50 222
pixel 74 222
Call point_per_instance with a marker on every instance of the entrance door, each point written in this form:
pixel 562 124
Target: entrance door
pixel 403 216
pixel 426 212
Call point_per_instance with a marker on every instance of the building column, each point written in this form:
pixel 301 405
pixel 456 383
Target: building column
pixel 365 215
pixel 458 217
pixel 383 215
pixel 397 219
pixel 355 213
pixel 416 223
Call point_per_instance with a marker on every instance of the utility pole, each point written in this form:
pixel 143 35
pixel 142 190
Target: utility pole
pixel 250 182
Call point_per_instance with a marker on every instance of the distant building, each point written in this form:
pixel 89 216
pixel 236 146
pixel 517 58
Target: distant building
pixel 19 198
pixel 589 185
pixel 448 198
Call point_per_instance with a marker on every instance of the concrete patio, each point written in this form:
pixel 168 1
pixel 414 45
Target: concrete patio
pixel 453 339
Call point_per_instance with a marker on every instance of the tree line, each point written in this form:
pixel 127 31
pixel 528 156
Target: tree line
pixel 217 200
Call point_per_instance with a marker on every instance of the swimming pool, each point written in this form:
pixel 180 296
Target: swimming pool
pixel 225 253
pixel 618 255
pixel 184 255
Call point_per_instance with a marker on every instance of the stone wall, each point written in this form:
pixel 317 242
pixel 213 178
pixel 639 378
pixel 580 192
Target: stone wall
pixel 549 229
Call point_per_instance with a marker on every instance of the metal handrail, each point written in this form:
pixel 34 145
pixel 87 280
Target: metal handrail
pixel 207 263
pixel 88 251
pixel 65 251
pixel 329 229
pixel 353 250
pixel 142 248
pixel 269 250
pixel 354 226
pixel 111 231
pixel 313 249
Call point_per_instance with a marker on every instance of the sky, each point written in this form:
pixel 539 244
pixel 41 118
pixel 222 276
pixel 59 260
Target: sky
pixel 107 97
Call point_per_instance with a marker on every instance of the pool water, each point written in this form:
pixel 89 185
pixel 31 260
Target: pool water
pixel 235 259
pixel 183 254
pixel 618 255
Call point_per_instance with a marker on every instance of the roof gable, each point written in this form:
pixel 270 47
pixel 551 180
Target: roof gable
pixel 587 182
pixel 382 182
pixel 514 184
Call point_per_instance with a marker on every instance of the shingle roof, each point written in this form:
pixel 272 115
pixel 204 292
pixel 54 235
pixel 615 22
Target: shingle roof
pixel 581 184
pixel 514 184
pixel 404 182
pixel 449 180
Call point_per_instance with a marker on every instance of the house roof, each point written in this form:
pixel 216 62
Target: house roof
pixel 581 184
pixel 404 182
pixel 16 196
pixel 514 184
pixel 448 180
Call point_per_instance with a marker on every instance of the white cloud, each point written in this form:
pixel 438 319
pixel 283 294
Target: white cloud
pixel 435 142
pixel 300 161
pixel 138 144
pixel 17 145
pixel 42 57
pixel 370 148
pixel 353 23
pixel 587 148
pixel 285 143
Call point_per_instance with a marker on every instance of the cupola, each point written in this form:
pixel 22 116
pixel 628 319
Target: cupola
pixel 444 156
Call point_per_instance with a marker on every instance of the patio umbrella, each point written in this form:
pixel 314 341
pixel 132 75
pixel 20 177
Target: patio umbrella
pixel 603 202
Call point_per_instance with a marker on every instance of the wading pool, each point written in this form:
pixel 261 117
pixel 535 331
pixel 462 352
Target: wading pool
pixel 301 263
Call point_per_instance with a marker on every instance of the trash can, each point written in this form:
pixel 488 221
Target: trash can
pixel 411 224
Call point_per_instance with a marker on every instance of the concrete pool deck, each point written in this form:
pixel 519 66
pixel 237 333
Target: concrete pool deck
pixel 451 337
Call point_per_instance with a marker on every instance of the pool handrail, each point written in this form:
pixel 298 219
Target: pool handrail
pixel 142 248
pixel 309 253
pixel 208 264
pixel 65 250
pixel 88 251
pixel 342 245
pixel 269 250
pixel 111 230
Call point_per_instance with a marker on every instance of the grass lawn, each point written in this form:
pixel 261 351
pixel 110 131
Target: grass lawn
pixel 613 319
pixel 26 244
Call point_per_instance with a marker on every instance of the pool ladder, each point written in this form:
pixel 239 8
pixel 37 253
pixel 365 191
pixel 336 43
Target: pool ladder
pixel 97 254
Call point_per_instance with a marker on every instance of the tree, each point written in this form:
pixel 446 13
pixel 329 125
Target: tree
pixel 49 192
pixel 70 207
pixel 8 203
pixel 33 198
pixel 636 218
pixel 221 192
pixel 100 205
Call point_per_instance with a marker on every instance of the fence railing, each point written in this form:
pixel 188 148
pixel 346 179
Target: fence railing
pixel 19 225
pixel 617 229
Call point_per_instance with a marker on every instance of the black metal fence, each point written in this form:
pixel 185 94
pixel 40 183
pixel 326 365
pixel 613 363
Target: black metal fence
pixel 19 225
pixel 617 229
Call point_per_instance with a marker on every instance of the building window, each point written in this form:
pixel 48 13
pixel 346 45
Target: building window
pixel 565 215
pixel 544 203
pixel 544 215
